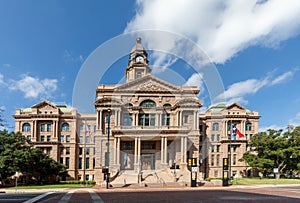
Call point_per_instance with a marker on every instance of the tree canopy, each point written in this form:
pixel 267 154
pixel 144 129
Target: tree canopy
pixel 18 155
pixel 275 149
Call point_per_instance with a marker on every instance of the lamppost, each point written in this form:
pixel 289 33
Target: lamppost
pixel 107 162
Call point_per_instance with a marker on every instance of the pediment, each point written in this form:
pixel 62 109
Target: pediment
pixel 235 106
pixel 148 83
pixel 45 105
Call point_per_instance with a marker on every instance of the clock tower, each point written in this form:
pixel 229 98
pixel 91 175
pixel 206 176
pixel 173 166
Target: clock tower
pixel 138 64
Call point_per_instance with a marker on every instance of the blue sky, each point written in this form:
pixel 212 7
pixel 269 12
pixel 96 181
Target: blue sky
pixel 43 45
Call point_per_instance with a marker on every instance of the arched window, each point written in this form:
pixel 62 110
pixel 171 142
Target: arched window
pixel 65 127
pixel 167 105
pixel 128 106
pixel 215 127
pixel 248 126
pixel 148 104
pixel 26 127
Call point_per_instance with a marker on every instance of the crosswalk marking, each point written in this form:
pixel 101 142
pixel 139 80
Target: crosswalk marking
pixel 95 197
pixel 37 197
pixel 66 197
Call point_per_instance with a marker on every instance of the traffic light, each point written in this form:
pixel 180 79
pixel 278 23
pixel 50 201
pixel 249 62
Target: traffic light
pixel 190 162
pixel 225 164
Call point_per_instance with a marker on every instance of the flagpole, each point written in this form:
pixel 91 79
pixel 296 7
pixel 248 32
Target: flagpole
pixel 84 153
pixel 230 150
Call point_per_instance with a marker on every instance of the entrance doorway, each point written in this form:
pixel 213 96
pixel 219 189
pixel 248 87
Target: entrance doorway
pixel 148 161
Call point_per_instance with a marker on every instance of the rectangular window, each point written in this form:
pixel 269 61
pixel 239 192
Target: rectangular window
pixel 48 138
pixel 94 128
pixel 94 163
pixel 234 159
pixel 148 145
pixel 80 163
pixel 88 139
pixel 68 138
pixel 126 145
pixel 212 160
pixel 218 137
pixel 87 163
pixel 80 150
pixel 216 174
pixel 81 128
pixel 87 151
pixel 234 148
pixel 28 138
pixel 218 160
pixel 251 136
pixel 94 151
pixel 43 127
pixel 213 148
pixel 48 127
pixel 127 119
pixel 67 150
pixel 67 162
pixel 62 138
pixel 42 138
pixel 186 119
pixel 146 119
pixel 166 119
pixel 218 148
pixel 61 151
pixel 61 160
pixel 81 139
pixel 212 137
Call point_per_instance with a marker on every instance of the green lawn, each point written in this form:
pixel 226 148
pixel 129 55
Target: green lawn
pixel 52 186
pixel 249 181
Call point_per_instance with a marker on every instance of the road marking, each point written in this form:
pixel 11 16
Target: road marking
pixel 66 197
pixel 95 197
pixel 38 197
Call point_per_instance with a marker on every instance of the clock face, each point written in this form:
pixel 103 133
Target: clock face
pixel 139 59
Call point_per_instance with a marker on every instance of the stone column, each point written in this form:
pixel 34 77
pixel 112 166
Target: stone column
pixel 182 152
pixel 139 151
pixel 135 150
pixel 118 150
pixel 100 121
pixel 115 150
pixel 180 118
pixel 165 150
pixel 162 150
pixel 185 149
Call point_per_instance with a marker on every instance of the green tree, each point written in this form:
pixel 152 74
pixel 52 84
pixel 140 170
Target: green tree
pixel 275 149
pixel 19 155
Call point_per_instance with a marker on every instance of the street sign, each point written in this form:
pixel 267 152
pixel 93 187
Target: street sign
pixel 194 169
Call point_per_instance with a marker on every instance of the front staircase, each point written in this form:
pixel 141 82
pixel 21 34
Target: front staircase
pixel 154 178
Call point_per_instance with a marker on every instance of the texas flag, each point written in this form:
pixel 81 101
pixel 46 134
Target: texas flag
pixel 236 131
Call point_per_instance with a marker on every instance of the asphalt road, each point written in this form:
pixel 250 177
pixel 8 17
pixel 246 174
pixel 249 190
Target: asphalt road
pixel 264 194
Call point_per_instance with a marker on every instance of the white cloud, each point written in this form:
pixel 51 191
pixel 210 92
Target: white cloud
pixel 196 80
pixel 1 79
pixel 237 91
pixel 69 57
pixel 282 78
pixel 33 87
pixel 221 28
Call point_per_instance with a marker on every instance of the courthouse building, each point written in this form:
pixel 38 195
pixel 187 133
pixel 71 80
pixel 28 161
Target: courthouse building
pixel 152 125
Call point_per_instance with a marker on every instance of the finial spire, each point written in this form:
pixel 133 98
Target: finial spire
pixel 138 40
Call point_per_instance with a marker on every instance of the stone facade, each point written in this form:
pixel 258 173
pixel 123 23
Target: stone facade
pixel 144 124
